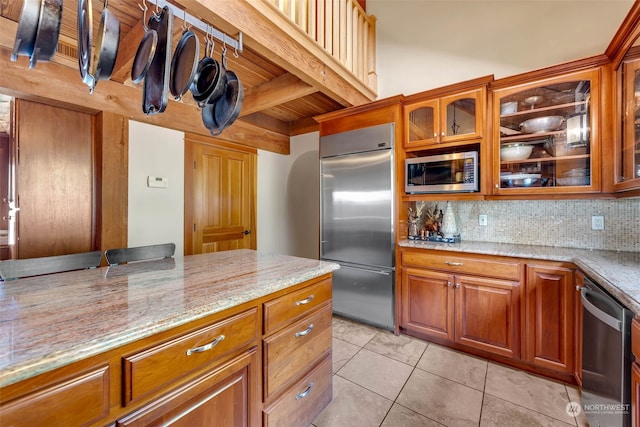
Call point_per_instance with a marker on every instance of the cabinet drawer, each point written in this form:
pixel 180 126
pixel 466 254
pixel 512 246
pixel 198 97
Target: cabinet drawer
pixel 78 401
pixel 455 263
pixel 302 403
pixel 291 351
pixel 153 369
pixel 283 310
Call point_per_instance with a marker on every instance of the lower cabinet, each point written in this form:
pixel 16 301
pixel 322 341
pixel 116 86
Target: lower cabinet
pixel 550 317
pixel 223 397
pixel 478 312
pixel 524 312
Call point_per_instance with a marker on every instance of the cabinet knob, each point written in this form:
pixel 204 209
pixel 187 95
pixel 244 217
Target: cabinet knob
pixel 435 134
pixel 449 284
pixel 442 134
pixel 457 285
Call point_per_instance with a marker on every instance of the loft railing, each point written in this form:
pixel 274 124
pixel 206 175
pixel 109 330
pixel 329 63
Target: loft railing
pixel 342 28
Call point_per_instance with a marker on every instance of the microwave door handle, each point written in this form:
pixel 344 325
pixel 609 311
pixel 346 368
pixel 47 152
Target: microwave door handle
pixel 595 311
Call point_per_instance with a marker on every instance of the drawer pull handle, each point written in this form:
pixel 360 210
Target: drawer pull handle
pixel 205 347
pixel 307 300
pixel 305 393
pixel 454 263
pixel 305 332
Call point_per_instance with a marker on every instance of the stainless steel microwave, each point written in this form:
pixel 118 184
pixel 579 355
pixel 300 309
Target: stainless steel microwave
pixel 445 173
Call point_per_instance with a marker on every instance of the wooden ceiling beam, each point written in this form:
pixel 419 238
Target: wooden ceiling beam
pixel 58 84
pixel 127 49
pixel 269 34
pixel 280 90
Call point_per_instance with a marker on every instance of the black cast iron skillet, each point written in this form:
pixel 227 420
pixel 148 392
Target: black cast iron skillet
pixel 184 63
pixel 220 114
pixel 156 81
pixel 210 78
pixel 146 50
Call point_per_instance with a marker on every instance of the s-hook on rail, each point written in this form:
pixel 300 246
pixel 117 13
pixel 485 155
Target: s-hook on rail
pixel 204 27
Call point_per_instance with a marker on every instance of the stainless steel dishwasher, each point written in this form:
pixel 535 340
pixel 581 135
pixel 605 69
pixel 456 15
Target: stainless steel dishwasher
pixel 606 358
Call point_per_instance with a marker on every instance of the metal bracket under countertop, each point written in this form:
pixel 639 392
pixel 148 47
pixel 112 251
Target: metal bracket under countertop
pixel 202 26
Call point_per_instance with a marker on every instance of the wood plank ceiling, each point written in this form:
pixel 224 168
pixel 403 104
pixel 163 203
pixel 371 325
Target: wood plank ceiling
pixel 287 78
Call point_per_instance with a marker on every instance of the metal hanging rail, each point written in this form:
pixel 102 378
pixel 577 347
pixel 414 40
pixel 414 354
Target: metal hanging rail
pixel 205 28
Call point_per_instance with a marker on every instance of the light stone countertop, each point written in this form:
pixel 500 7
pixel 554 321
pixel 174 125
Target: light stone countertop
pixel 50 321
pixel 617 272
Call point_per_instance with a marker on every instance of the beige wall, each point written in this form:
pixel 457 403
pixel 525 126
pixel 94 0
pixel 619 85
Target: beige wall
pixel 289 199
pixel 424 44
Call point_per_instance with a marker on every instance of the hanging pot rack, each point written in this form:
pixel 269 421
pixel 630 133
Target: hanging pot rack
pixel 204 27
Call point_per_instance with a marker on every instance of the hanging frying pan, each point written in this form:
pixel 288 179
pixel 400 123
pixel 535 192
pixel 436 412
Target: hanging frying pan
pixel 48 31
pixel 146 50
pixel 85 35
pixel 156 81
pixel 27 29
pixel 209 77
pixel 184 63
pixel 220 114
pixel 106 51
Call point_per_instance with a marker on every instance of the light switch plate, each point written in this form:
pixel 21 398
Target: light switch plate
pixel 483 220
pixel 157 182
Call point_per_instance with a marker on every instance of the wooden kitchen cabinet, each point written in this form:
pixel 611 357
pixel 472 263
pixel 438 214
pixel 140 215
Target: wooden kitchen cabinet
pixel 297 384
pixel 550 317
pixel 78 400
pixel 222 397
pixel 454 307
pixel 627 150
pixel 551 117
pixel 264 361
pixel 449 115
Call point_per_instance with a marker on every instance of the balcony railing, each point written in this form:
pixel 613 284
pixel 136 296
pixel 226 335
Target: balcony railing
pixel 342 28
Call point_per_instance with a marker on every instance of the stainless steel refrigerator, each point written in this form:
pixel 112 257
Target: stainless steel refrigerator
pixel 356 221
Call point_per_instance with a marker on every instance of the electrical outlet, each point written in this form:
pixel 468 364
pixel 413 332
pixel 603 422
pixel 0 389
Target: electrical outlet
pixel 483 220
pixel 597 222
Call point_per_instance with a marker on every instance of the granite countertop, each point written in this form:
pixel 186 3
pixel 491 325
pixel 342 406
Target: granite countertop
pixel 617 272
pixel 50 321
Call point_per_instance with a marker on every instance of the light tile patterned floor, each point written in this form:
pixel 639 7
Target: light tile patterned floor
pixel 397 381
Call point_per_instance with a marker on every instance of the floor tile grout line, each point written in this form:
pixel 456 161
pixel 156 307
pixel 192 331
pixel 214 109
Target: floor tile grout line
pixel 527 408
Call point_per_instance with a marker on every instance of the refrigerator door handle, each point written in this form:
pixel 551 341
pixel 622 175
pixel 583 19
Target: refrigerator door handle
pixel 383 272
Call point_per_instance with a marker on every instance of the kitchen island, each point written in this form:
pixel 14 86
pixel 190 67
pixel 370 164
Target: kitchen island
pixel 106 327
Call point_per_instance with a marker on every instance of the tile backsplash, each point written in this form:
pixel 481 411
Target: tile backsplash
pixel 561 223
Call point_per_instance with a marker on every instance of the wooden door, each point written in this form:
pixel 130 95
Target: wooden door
pixel 54 180
pixel 487 314
pixel 550 317
pixel 427 304
pixel 221 213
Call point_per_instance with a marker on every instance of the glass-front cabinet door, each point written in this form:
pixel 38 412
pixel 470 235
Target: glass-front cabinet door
pixel 628 150
pixel 546 141
pixel 448 119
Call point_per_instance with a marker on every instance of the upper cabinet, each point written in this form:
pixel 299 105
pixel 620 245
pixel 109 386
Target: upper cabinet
pixel 627 167
pixel 624 53
pixel 447 116
pixel 546 135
